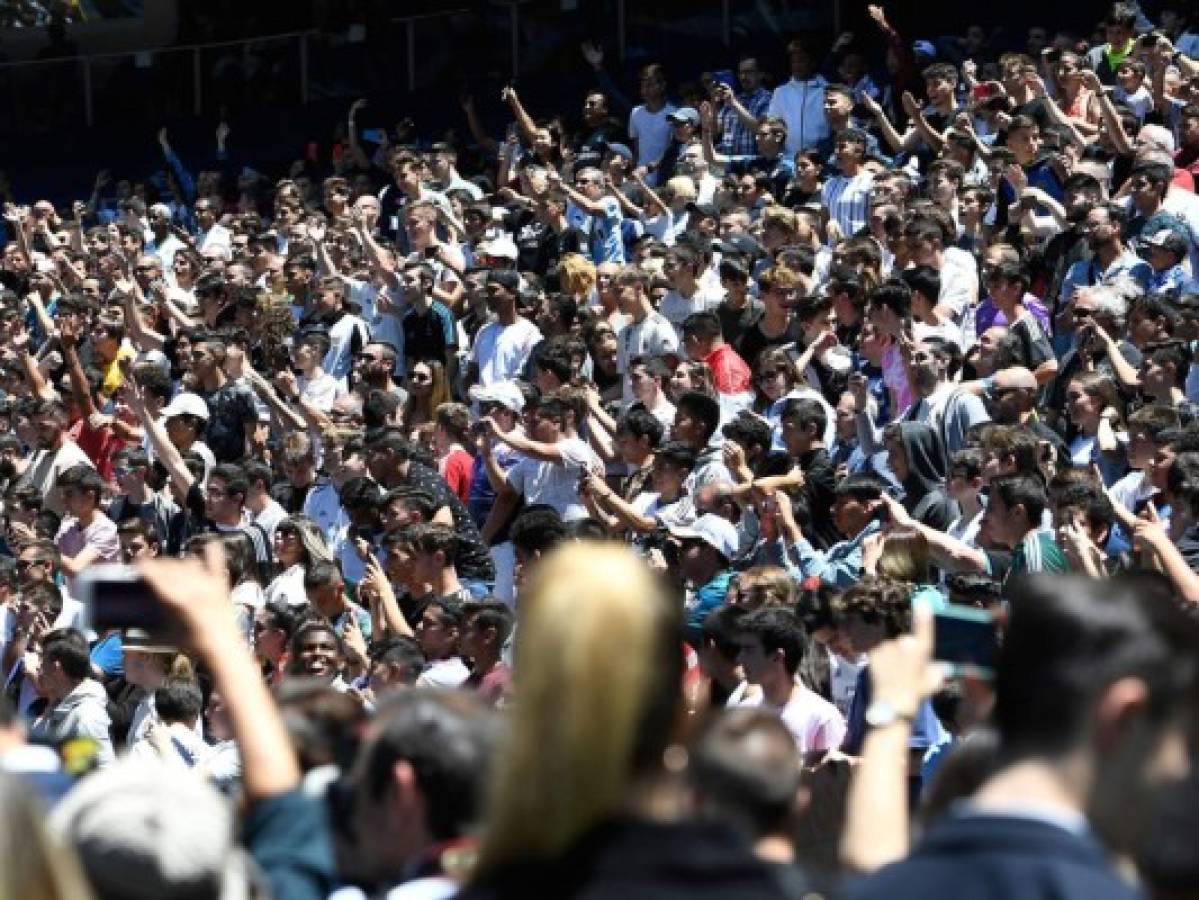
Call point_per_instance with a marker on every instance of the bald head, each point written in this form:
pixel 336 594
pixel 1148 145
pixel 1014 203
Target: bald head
pixel 1016 378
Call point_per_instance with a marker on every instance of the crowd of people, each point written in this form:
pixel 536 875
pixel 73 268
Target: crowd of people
pixel 597 519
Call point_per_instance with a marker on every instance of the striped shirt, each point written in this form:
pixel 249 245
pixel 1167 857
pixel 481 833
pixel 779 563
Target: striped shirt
pixel 735 138
pixel 847 200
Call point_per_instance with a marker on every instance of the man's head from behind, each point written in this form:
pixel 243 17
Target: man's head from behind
pixel 418 780
pixel 1092 679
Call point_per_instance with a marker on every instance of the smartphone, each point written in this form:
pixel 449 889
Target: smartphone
pixel 966 638
pixel 374 135
pixel 116 596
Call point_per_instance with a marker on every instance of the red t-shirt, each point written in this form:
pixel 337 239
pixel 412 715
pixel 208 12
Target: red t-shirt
pixel 730 373
pixel 456 469
pixel 100 445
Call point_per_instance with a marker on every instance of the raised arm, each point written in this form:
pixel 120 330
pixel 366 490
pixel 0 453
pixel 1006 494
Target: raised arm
pixel 285 831
pixel 288 416
pixel 380 262
pixel 947 552
pixel 589 206
pixel 361 160
pixel 615 504
pixel 140 334
pixel 707 118
pixel 68 339
pixel 877 828
pixel 41 387
pixel 932 137
pixel 893 138
pixel 528 128
pixel 1107 110
pixel 166 452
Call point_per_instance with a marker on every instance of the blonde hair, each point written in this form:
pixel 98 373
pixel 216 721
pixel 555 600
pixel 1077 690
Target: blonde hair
pixel 577 274
pixel 598 688
pixel 33 864
pixel 681 187
pixel 905 557
pixel 765 586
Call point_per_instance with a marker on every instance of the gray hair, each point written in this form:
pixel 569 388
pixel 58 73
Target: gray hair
pixel 1112 300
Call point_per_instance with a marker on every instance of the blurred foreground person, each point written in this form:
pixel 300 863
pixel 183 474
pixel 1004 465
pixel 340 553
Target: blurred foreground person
pixel 1092 687
pixel 586 797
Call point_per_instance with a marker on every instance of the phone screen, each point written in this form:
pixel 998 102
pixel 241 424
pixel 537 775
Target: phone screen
pixel 123 601
pixel 965 636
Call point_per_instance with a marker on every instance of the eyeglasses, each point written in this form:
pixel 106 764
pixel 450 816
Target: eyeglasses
pixel 25 564
pixel 419 377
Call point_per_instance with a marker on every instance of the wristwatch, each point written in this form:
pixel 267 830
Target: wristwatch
pixel 881 713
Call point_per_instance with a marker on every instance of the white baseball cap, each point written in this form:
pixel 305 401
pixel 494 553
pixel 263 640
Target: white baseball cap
pixel 186 404
pixel 505 393
pixel 718 533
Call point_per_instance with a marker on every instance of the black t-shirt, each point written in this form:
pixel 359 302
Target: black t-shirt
pixel 188 521
pixel 231 409
pixel 427 334
pixel 592 144
pixel 753 342
pixel 735 322
pixel 816 498
pixel 537 245
pixel 472 561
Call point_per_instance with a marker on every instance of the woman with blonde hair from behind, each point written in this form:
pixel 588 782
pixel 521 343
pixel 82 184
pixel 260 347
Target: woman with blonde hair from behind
pixel 587 797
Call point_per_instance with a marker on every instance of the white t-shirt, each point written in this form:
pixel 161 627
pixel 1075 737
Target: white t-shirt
pixel 814 722
pixel 959 281
pixel 444 673
pixel 556 483
pixel 321 391
pixel 675 308
pixel 651 131
pixel 47 465
pixel 501 351
pixel 288 586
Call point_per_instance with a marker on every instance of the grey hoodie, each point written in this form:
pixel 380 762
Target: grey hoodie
pixel 81 713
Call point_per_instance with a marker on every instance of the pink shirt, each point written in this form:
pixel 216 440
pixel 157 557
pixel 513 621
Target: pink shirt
pixel 101 536
pixel 895 377
pixel 814 722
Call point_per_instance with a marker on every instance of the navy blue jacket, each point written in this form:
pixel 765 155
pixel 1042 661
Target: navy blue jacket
pixel 984 857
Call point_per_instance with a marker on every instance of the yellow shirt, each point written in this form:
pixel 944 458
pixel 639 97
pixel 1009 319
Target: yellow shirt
pixel 113 379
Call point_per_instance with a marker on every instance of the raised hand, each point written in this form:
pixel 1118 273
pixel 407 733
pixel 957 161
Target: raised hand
pixel 872 106
pixel 1016 177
